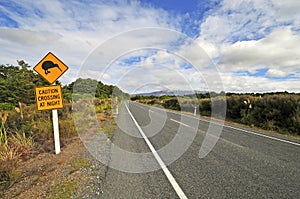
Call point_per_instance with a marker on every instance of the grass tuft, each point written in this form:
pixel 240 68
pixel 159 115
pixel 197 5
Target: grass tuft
pixel 65 189
pixel 79 163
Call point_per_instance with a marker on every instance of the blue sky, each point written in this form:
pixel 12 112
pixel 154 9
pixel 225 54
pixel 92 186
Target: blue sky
pixel 254 45
pixel 192 12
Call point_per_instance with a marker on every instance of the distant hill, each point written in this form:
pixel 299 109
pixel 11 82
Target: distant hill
pixel 170 93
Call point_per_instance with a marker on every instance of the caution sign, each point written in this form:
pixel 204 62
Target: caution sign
pixel 49 97
pixel 50 68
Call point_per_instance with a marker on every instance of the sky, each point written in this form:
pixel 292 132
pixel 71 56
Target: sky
pixel 144 45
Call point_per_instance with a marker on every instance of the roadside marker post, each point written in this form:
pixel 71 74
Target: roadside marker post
pixel 50 97
pixel 117 107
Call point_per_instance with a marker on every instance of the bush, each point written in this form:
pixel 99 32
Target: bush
pixel 279 112
pixel 172 104
pixel 205 107
pixel 6 106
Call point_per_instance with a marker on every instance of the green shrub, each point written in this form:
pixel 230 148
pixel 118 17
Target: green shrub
pixel 205 107
pixel 6 106
pixel 172 104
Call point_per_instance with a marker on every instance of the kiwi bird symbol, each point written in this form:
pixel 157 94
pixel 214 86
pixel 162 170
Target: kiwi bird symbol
pixel 49 64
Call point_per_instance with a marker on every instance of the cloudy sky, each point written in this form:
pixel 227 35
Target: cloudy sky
pixel 145 45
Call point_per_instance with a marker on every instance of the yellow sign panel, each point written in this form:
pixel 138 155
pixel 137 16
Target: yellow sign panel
pixel 50 68
pixel 48 97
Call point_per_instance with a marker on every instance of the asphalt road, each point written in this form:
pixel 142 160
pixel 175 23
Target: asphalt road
pixel 242 164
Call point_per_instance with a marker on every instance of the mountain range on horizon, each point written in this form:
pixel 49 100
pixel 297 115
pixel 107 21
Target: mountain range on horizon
pixel 169 92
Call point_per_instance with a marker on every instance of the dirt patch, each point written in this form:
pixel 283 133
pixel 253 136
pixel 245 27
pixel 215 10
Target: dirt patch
pixel 71 174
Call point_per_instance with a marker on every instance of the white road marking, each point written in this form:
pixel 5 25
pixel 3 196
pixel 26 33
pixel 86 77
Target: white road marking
pixel 170 177
pixel 266 136
pixel 180 123
pixel 252 132
pixel 227 141
pixel 239 129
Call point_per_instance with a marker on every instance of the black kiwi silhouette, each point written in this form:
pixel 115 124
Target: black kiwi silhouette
pixel 49 64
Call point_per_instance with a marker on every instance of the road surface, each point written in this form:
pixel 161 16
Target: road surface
pixel 243 163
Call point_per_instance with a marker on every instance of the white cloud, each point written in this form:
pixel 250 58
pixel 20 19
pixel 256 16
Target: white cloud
pixel 28 37
pixel 238 20
pixel 254 35
pixel 287 11
pixel 234 20
pixel 275 73
pixel 254 84
pixel 210 48
pixel 279 50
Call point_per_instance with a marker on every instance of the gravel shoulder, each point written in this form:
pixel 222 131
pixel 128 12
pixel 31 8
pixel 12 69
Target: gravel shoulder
pixel 73 173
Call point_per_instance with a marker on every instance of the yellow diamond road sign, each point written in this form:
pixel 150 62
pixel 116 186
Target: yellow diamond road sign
pixel 50 68
pixel 48 97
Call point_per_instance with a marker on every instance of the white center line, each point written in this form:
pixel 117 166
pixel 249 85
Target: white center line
pixel 180 123
pixel 227 141
pixel 170 177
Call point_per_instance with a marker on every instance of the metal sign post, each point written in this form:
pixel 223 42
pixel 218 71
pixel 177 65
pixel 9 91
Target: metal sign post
pixel 50 97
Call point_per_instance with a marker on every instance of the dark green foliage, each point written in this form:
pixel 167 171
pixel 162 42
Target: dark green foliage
pixel 202 95
pixel 205 107
pixel 17 84
pixel 172 104
pixel 236 107
pixel 276 112
pixel 270 111
pixel 6 106
pixel 104 91
pixel 141 97
pixel 82 88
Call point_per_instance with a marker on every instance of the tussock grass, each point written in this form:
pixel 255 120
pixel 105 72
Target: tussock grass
pixel 24 132
pixel 3 133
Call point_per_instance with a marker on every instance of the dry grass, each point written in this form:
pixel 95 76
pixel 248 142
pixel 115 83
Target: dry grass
pixel 26 132
pixel 23 133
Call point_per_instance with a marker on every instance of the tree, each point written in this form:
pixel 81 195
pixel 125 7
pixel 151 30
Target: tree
pixel 91 88
pixel 17 83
